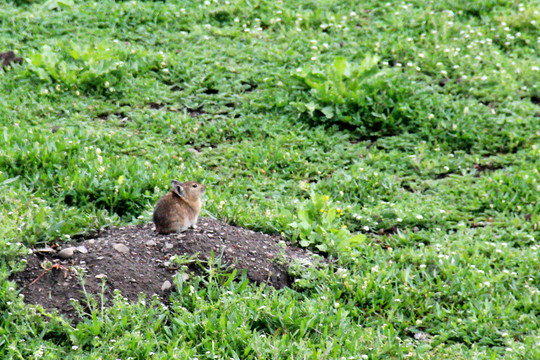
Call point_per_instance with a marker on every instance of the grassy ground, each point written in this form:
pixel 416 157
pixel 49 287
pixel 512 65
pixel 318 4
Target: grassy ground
pixel 399 138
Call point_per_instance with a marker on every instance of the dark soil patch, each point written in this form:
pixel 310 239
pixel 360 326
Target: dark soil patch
pixel 196 112
pixel 156 106
pixel 192 112
pixel 441 176
pixel 249 87
pixel 389 231
pixel 106 115
pixel 443 82
pixel 489 104
pixel 146 267
pixel 210 91
pixel 9 57
pixel 482 168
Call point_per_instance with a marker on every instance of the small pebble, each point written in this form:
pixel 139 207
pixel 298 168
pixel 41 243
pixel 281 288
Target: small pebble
pixel 166 285
pixel 82 249
pixel 121 248
pixel 47 250
pixel 422 336
pixel 101 276
pixel 193 151
pixel 150 243
pixel 66 253
pixel 169 246
pixel 92 241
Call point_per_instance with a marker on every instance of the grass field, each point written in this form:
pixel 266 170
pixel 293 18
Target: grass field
pixel 400 139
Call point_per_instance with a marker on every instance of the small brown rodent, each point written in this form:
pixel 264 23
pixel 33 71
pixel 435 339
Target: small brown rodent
pixel 179 208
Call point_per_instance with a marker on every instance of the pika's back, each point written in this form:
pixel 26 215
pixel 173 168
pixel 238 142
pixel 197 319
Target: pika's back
pixel 179 209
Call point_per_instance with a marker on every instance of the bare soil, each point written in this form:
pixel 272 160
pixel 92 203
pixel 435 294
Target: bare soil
pixel 8 57
pixel 143 266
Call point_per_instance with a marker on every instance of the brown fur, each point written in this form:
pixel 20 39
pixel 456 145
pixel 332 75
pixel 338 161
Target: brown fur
pixel 179 209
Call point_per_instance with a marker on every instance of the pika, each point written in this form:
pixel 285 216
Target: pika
pixel 179 208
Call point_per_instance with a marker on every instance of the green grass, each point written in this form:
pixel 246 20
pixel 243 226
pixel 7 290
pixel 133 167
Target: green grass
pixel 419 177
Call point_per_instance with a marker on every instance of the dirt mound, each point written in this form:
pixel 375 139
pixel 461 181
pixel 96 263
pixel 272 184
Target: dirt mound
pixel 135 260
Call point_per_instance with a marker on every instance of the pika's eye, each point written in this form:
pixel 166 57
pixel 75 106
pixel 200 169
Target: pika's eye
pixel 194 185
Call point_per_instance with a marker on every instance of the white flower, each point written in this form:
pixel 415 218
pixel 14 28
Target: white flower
pixel 535 68
pixel 419 217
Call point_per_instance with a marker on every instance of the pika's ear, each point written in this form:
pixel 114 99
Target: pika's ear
pixel 177 188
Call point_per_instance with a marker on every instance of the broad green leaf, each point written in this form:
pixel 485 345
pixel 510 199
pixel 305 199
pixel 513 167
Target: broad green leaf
pixel 305 243
pixel 328 111
pixel 340 65
pixel 311 107
pixel 330 216
pixel 303 216
pixel 357 239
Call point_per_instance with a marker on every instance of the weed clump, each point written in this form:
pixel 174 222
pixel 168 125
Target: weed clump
pixel 365 97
